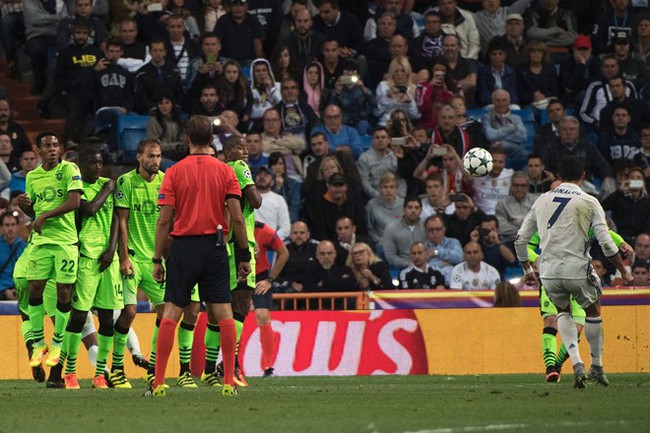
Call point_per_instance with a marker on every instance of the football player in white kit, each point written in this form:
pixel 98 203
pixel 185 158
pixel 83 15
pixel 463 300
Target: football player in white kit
pixel 563 217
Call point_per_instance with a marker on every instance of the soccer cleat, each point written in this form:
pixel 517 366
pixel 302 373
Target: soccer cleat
pixel 228 390
pixel 71 381
pixel 55 384
pixel 211 379
pixel 186 380
pixel 140 361
pixel 268 372
pixel 579 376
pixel 118 379
pixel 150 378
pixel 99 382
pixel 54 356
pixel 552 375
pixel 239 378
pixel 38 373
pixel 597 374
pixel 160 391
pixel 37 356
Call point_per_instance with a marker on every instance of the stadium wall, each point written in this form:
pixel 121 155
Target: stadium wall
pixel 454 341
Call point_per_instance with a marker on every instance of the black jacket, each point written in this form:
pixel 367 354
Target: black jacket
pixel 151 85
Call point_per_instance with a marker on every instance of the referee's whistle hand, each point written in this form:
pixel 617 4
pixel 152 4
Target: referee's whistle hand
pixel 243 269
pixel 158 273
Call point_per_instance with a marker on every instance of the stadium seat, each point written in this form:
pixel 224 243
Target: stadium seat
pixel 130 130
pixel 476 113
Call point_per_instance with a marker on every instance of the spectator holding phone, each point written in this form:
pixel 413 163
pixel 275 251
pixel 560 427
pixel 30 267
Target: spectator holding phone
pixel 432 95
pixel 630 207
pixel 396 91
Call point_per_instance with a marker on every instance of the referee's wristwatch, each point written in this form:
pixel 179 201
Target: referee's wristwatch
pixel 270 280
pixel 156 261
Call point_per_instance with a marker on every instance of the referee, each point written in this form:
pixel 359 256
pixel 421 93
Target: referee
pixel 194 195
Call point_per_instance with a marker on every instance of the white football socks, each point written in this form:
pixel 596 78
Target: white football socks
pixel 569 333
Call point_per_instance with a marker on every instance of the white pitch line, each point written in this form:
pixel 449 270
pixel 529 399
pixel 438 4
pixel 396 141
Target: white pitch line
pixel 502 427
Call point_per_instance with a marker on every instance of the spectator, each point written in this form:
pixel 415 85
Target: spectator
pixel 432 95
pixel 11 247
pixel 265 91
pixel 398 47
pixel 490 189
pixel 419 274
pixel 135 53
pixel 504 129
pixel 302 252
pixel 157 78
pixel 28 162
pixel 285 186
pixel 642 248
pixel 19 140
pixel 474 273
pixel 234 93
pixel 578 71
pixel 274 210
pixel 630 207
pixel 151 21
pixel 631 68
pixel 537 79
pixel 443 252
pixel 166 126
pixel 466 216
pixel 325 275
pixel 314 87
pixel 297 116
pixel 400 235
pixel 436 201
pixel 384 209
pixel 511 210
pixel 641 41
pixel 496 252
pixel 333 63
pixel 397 91
pixel 599 93
pixel 376 161
pixel 6 152
pixel 340 25
pixel 621 141
pixel 642 158
pixel 491 20
pixel 570 143
pixel 457 21
pixel 208 103
pixel 618 177
pixel 269 13
pixel 228 123
pixel 346 237
pixel 305 44
pixel 212 11
pixel 496 74
pixel 206 68
pixel 291 9
pixel 180 50
pixel 506 294
pixel 539 179
pixel 283 63
pixel 469 124
pixel 177 7
pixel 369 270
pixel 376 51
pixel 12 25
pixel 515 40
pixel 256 157
pixel 463 69
pixel 406 26
pixel 555 26
pixel 448 131
pixel 75 80
pixel 339 136
pixel 240 33
pixel 641 274
pixel 97 35
pixel 354 99
pixel 551 131
pixel 613 21
pixel 428 45
pixel 274 140
pixel 455 178
pixel 637 109
pixel 324 210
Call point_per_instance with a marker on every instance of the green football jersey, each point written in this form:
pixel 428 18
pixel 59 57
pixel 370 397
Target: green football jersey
pixel 48 190
pixel 96 230
pixel 245 179
pixel 140 197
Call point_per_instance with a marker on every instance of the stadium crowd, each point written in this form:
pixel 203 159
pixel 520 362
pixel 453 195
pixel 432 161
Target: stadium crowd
pixel 356 116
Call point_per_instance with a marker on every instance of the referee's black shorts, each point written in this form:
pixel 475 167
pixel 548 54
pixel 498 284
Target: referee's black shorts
pixel 197 260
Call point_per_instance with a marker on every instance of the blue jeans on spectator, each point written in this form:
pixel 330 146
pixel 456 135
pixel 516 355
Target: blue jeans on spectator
pixel 13 31
pixel 38 49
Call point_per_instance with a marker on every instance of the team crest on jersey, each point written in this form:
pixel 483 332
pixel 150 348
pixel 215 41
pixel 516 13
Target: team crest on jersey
pixel 475 282
pixel 119 194
pixel 59 176
pixel 247 174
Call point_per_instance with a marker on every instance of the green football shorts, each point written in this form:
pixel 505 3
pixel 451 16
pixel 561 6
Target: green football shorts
pixel 100 290
pixel 49 296
pixel 250 279
pixel 548 309
pixel 143 278
pixel 53 261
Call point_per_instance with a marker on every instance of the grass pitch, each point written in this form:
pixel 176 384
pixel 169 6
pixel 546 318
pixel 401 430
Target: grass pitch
pixel 377 404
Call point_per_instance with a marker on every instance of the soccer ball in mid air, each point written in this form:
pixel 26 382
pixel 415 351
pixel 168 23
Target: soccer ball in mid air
pixel 478 162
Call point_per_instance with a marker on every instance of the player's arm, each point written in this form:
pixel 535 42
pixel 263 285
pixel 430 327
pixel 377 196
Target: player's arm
pixel 611 251
pixel 71 204
pixel 90 208
pixel 282 256
pixel 625 248
pixel 126 267
pixel 253 196
pixel 532 246
pixel 238 226
pixel 163 228
pixel 525 233
pixel 26 205
pixel 107 256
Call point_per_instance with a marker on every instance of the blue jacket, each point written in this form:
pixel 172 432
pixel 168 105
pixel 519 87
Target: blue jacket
pixel 486 84
pixel 346 136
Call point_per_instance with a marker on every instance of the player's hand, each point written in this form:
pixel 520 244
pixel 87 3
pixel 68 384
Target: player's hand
pixel 126 268
pixel 105 260
pixel 158 272
pixel 110 185
pixel 243 269
pixel 262 287
pixel 628 278
pixel 23 201
pixel 626 250
pixel 530 279
pixel 37 225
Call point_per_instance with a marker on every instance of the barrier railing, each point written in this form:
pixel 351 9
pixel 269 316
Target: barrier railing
pixel 322 300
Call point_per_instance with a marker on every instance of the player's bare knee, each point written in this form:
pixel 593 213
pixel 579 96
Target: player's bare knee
pixel 263 316
pixel 127 316
pixel 593 310
pixel 77 321
pixel 63 293
pixel 550 321
pixel 36 288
